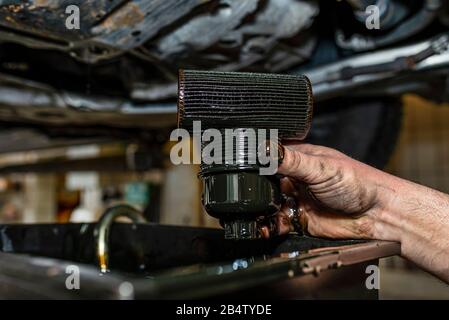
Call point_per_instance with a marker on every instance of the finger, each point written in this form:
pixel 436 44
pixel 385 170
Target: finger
pixel 265 232
pixel 280 224
pixel 283 223
pixel 311 149
pixel 304 167
pixel 288 187
pixel 324 223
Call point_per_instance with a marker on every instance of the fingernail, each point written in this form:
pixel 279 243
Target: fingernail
pixel 281 151
pixel 270 144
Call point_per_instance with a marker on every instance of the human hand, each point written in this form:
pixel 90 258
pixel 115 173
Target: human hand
pixel 341 198
pixel 337 196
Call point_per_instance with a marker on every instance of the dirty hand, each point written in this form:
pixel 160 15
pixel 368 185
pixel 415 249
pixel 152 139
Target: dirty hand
pixel 337 196
pixel 341 198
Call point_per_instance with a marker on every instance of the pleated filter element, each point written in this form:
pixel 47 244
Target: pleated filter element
pixel 245 100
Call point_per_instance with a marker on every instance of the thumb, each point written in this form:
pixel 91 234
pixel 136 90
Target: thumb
pixel 301 166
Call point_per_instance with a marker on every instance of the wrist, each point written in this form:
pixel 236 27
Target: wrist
pixel 392 213
pixel 385 192
pixel 418 218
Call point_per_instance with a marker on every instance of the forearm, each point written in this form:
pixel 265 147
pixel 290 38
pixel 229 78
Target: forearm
pixel 418 217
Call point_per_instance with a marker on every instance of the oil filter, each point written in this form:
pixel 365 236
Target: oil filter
pixel 244 109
